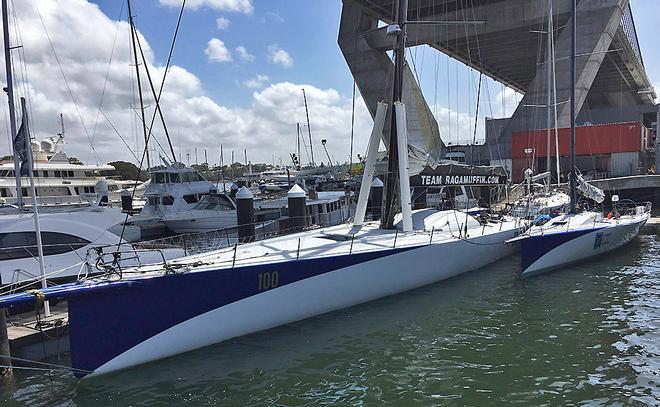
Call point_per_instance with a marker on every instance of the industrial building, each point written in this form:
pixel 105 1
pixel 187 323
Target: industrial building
pixel 617 116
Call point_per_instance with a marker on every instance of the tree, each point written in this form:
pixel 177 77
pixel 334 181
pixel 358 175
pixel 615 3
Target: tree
pixel 128 171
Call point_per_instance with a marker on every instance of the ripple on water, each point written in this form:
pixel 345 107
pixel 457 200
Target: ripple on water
pixel 586 335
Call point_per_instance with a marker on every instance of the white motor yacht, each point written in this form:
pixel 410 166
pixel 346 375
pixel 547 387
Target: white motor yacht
pixel 57 180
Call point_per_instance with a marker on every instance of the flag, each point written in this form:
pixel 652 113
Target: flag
pixel 22 147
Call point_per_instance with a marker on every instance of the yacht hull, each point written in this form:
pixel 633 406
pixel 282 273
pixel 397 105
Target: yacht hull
pixel 201 224
pixel 543 253
pixel 167 315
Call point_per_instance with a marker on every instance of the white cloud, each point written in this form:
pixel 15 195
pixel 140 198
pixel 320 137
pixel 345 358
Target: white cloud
pixel 243 54
pixel 266 126
pixel 222 23
pixel 278 56
pixel 275 17
pixel 238 6
pixel 256 82
pixel 217 51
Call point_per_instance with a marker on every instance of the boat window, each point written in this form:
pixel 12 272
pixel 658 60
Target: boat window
pixel 58 174
pixel 24 192
pixel 153 200
pixel 159 178
pixel 215 202
pixel 168 200
pixel 45 174
pixel 64 174
pixel 70 173
pixel 3 192
pixel 77 190
pixel 19 245
pixel 174 178
pixel 190 199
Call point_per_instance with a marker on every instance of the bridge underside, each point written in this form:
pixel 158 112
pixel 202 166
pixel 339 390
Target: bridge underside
pixel 510 48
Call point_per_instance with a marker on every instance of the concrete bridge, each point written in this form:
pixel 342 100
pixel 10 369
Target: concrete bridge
pixel 612 84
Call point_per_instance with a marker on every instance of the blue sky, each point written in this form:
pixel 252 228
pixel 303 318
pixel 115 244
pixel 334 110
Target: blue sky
pixel 252 102
pixel 306 29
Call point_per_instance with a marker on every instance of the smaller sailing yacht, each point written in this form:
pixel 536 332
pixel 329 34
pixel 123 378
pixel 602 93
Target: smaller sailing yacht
pixel 578 235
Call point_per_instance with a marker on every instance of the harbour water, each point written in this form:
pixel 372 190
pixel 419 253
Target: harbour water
pixel 589 334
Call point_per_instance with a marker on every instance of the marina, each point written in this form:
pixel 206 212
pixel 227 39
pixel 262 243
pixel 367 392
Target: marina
pixel 452 255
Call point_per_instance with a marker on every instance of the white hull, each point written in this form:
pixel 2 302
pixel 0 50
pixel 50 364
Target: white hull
pixel 94 225
pixel 579 244
pixel 319 294
pixel 202 224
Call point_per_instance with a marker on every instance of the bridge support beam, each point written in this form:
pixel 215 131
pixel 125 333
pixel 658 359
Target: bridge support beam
pixel 372 69
pixel 598 23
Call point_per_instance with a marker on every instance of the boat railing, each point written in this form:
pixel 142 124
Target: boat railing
pixel 223 246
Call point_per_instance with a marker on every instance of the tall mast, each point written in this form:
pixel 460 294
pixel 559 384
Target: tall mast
pixel 387 221
pixel 222 168
pixel 549 59
pixel 309 129
pixel 298 142
pixel 572 174
pixel 554 98
pixel 10 96
pixel 139 84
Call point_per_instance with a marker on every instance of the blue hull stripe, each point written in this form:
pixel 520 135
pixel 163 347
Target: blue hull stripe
pixel 109 322
pixel 535 247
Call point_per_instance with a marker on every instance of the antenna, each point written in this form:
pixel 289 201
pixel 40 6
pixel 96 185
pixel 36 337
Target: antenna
pixel 61 134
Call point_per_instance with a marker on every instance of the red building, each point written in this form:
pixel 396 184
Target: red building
pixel 607 150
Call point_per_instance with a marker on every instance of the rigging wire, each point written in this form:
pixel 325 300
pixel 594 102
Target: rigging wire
pixel 105 81
pixel 66 82
pixel 167 69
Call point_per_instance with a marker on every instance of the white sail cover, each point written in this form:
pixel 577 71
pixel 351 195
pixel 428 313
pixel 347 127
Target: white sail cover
pixel 589 190
pixel 425 147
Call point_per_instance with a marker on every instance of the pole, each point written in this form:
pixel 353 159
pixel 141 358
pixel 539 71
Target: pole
pixel 245 153
pixel 549 99
pixel 369 165
pixel 554 97
pixel 309 129
pixel 222 169
pixel 196 163
pixel 4 340
pixel 139 84
pixel 387 222
pixel 206 158
pixel 572 154
pixel 350 154
pixel 35 210
pixel 298 143
pixel 10 96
